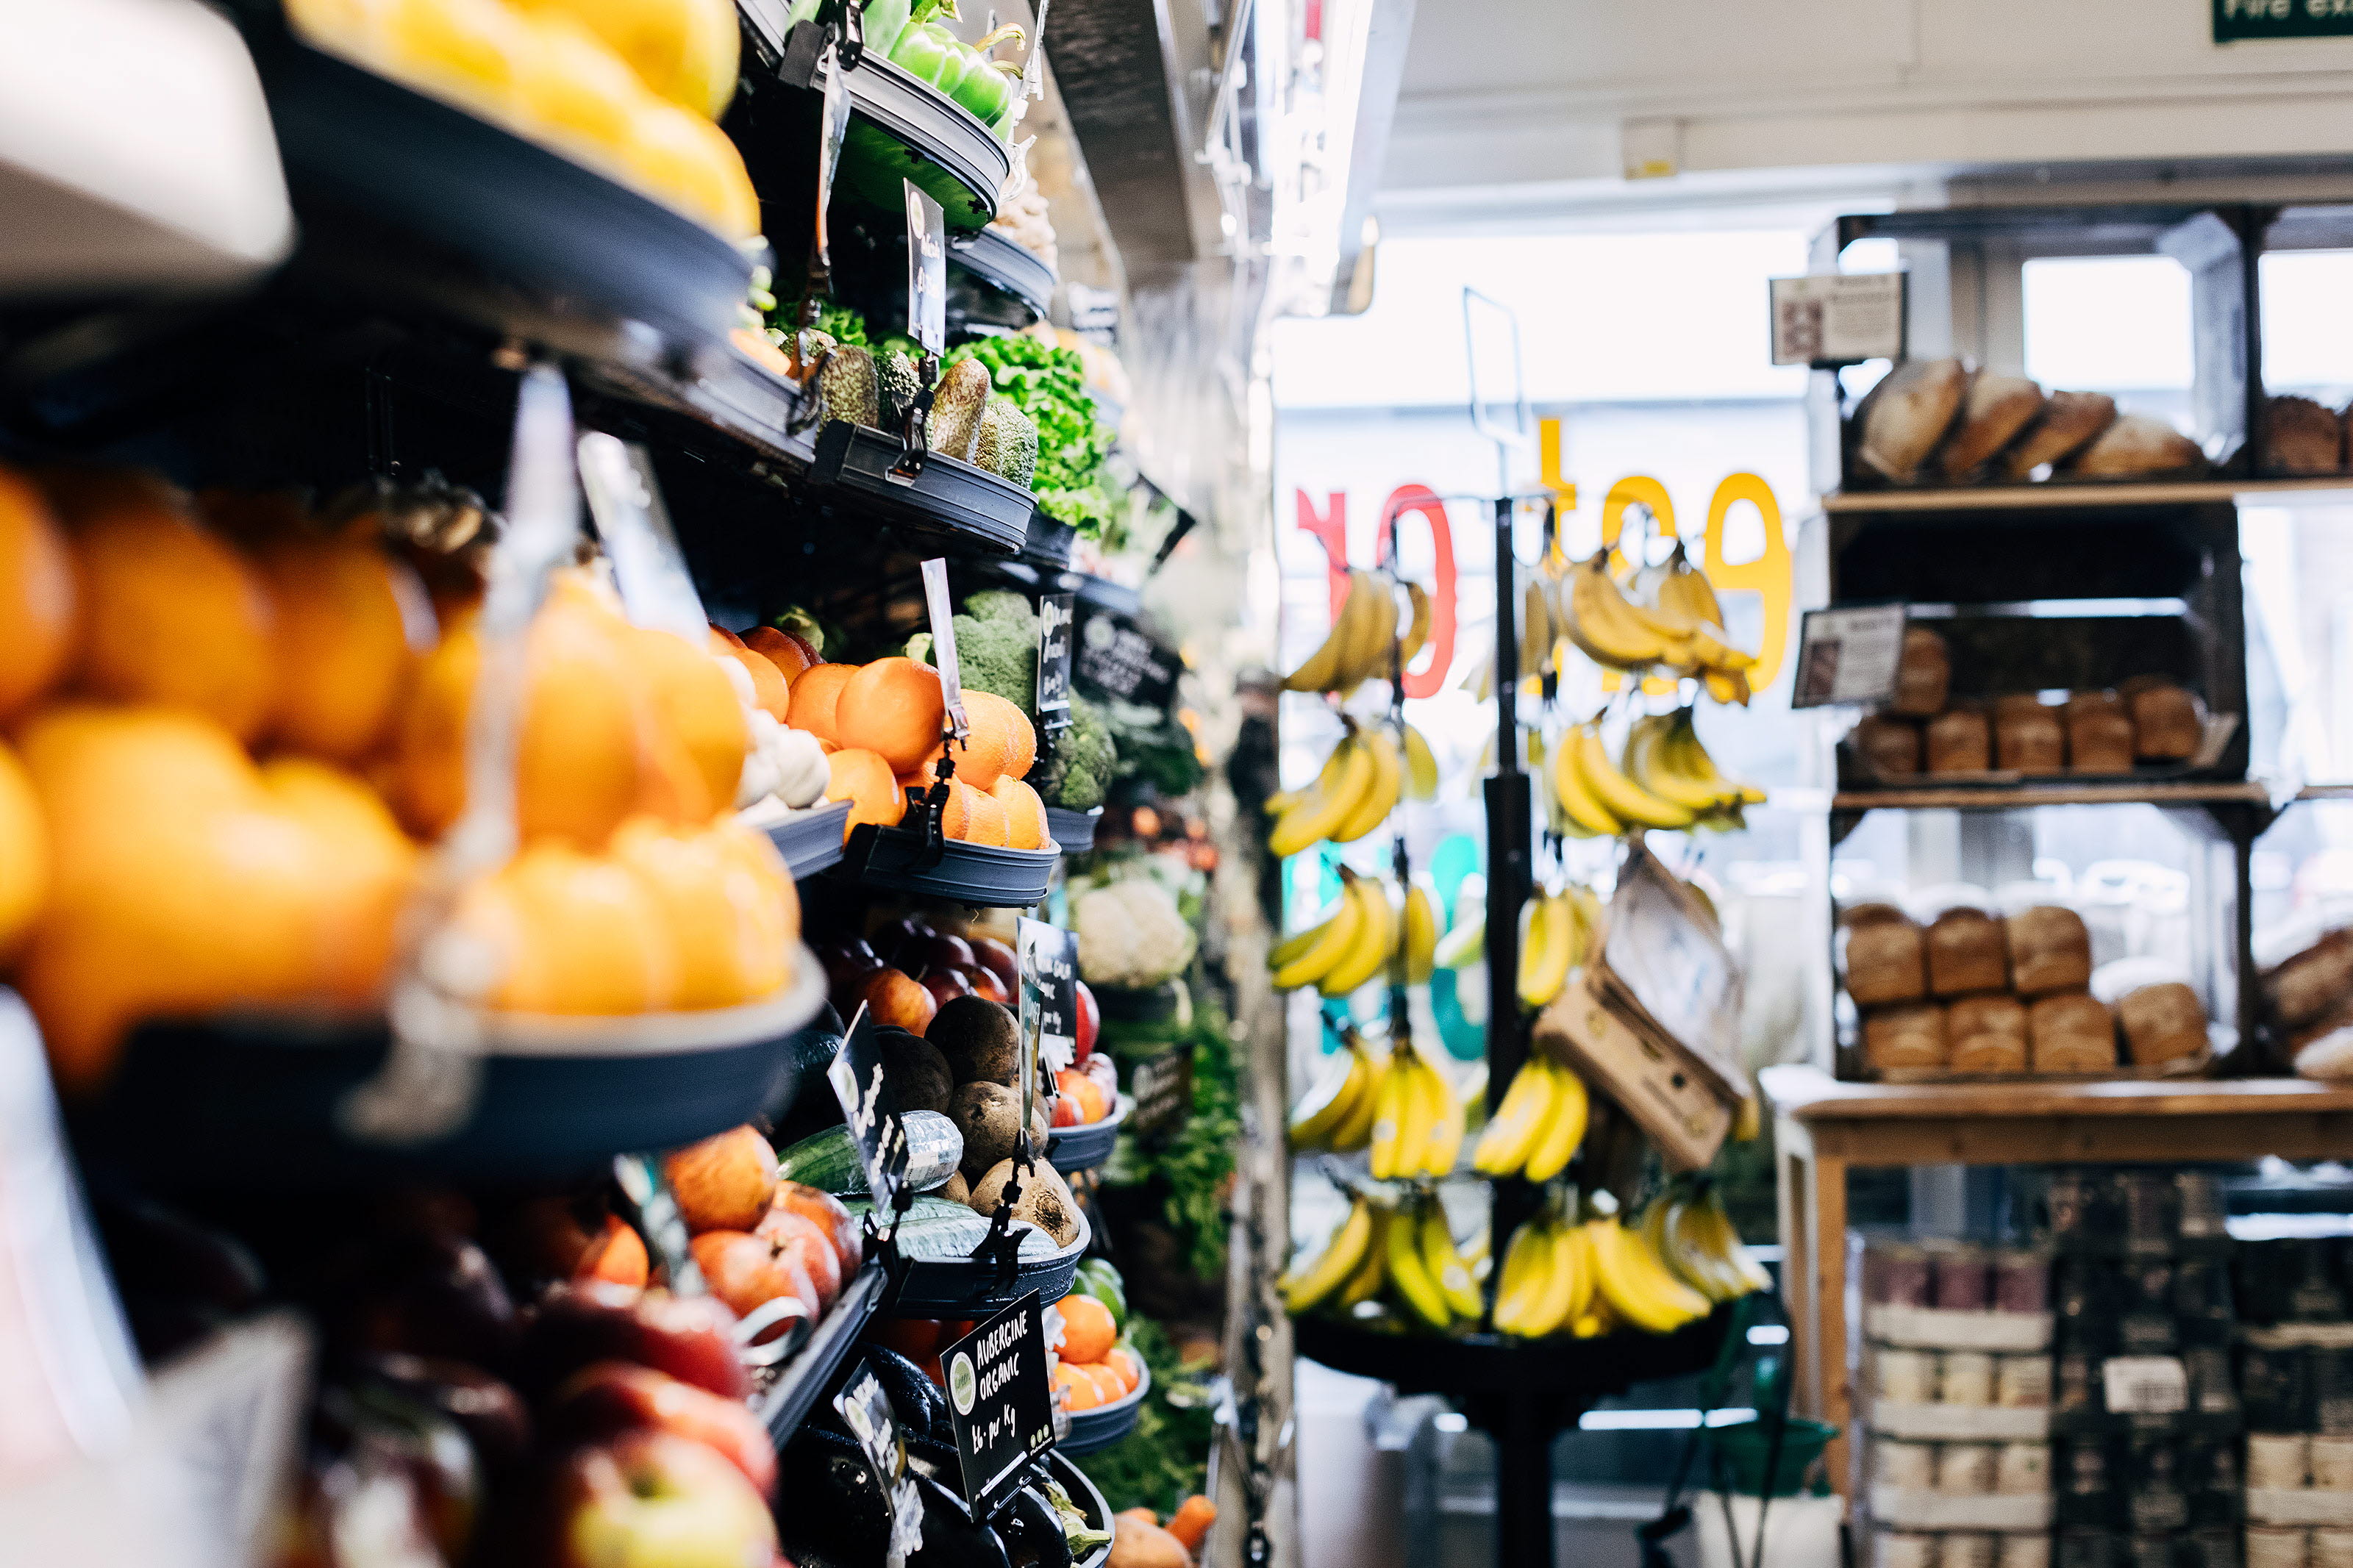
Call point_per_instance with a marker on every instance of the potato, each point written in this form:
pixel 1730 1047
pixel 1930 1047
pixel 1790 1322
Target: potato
pixel 989 1117
pixel 980 1040
pixel 1045 1201
pixel 915 1071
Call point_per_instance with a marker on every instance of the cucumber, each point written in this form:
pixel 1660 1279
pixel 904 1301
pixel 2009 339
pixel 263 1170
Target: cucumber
pixel 828 1161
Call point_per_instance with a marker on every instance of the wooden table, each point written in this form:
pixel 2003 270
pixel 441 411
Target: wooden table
pixel 1823 1128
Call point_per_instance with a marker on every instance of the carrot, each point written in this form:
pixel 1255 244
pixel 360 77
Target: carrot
pixel 1191 1523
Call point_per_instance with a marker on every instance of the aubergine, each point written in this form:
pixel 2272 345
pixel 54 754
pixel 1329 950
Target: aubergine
pixel 950 1538
pixel 916 1400
pixel 835 1502
pixel 1032 1532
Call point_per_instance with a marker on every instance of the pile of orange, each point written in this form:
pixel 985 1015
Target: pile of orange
pixel 1094 1367
pixel 219 756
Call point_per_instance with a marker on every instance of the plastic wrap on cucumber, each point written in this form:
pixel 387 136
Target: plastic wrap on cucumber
pixel 1032 1532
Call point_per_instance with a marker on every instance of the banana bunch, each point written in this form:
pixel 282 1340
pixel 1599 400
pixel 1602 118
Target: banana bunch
pixel 1556 932
pixel 1358 786
pixel 1548 1282
pixel 1361 938
pixel 1336 1113
pixel 1666 780
pixel 1686 1226
pixel 1363 644
pixel 1635 1281
pixel 1665 617
pixel 1664 756
pixel 1539 1126
pixel 1417 1123
pixel 1408 1251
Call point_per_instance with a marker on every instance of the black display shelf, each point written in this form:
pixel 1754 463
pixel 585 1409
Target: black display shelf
pixel 973 1288
pixel 1094 1430
pixel 1090 1501
pixel 982 876
pixel 811 841
pixel 1049 542
pixel 945 495
pixel 1008 268
pixel 1082 1148
pixel 1074 830
pixel 783 1405
pixel 259 1099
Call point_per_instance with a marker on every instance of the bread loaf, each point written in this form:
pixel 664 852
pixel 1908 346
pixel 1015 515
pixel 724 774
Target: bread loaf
pixel 2068 421
pixel 2300 437
pixel 1996 409
pixel 2027 737
pixel 1965 954
pixel 2071 1033
pixel 2050 949
pixel 1886 961
pixel 2099 734
pixel 2168 722
pixel 1905 416
pixel 1870 913
pixel 2161 1023
pixel 1960 741
pixel 1923 675
pixel 1892 746
pixel 1911 1035
pixel 1986 1034
pixel 2137 446
pixel 2312 984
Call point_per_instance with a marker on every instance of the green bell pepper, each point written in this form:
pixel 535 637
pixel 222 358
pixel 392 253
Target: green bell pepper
pixel 1096 1278
pixel 885 20
pixel 930 53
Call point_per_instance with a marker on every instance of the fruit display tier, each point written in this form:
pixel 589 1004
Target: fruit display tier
pixel 810 841
pixel 1096 1430
pixel 946 494
pixel 1074 830
pixel 783 1403
pixel 257 1099
pixel 1006 267
pixel 981 875
pixel 1568 1372
pixel 399 193
pixel 974 1287
pixel 1084 1147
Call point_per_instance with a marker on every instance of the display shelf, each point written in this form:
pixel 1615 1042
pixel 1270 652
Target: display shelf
pixel 2324 487
pixel 1082 1148
pixel 811 840
pixel 1074 830
pixel 262 1099
pixel 783 1405
pixel 945 497
pixel 974 1287
pixel 1090 1501
pixel 982 876
pixel 1094 1430
pixel 2021 797
pixel 1049 543
pixel 1008 268
pixel 1492 1365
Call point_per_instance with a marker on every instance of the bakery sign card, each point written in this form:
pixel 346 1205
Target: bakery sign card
pixel 1849 657
pixel 1841 317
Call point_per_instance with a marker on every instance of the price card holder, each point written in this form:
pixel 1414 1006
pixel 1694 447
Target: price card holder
pixel 1000 1401
pixel 2144 1384
pixel 1839 319
pixel 623 496
pixel 871 1111
pixel 1163 1087
pixel 833 125
pixel 943 647
pixel 1116 658
pixel 658 1221
pixel 927 270
pixel 1848 656
pixel 1048 960
pixel 1056 615
pixel 866 1411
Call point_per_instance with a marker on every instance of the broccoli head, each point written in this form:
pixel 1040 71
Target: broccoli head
pixel 996 647
pixel 1002 605
pixel 1084 759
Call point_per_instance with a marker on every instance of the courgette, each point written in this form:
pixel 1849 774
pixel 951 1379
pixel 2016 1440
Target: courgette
pixel 828 1161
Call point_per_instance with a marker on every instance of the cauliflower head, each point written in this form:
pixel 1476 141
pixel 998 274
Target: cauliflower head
pixel 1131 935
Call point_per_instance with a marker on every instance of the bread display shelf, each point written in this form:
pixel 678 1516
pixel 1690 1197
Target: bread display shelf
pixel 782 1405
pixel 2083 493
pixel 2024 796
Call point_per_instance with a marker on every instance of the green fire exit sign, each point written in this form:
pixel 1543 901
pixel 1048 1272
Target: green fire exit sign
pixel 2237 19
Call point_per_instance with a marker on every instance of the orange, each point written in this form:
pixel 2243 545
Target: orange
pixel 815 693
pixel 769 693
pixel 684 161
pixel 688 693
pixel 349 622
pixel 722 922
pixel 1021 736
pixel 1124 1362
pixel 980 758
pixel 572 933
pixel 866 782
pixel 1083 1091
pixel 366 868
pixel 1109 1387
pixel 754 852
pixel 171 615
pixel 1025 813
pixel 578 94
pixel 36 595
pixel 891 707
pixel 789 654
pixel 685 50
pixel 1089 1330
pixel 24 853
pixel 474 52
pixel 1075 1388
pixel 972 816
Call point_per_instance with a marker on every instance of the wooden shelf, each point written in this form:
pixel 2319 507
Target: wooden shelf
pixel 1814 1097
pixel 2025 498
pixel 2021 797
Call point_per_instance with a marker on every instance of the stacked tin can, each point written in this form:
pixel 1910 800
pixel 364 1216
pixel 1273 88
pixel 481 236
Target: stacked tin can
pixel 2146 1418
pixel 2296 1381
pixel 1957 1386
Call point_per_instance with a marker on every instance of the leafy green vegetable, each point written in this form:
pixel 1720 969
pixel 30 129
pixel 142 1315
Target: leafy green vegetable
pixel 840 322
pixel 1049 384
pixel 1200 1162
pixel 1154 746
pixel 1165 1459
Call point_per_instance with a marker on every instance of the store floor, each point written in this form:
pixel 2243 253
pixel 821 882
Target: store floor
pixel 1388 1483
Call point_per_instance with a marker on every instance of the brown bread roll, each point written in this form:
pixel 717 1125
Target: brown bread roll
pixel 1996 409
pixel 1904 417
pixel 2168 724
pixel 1892 746
pixel 1886 961
pixel 2161 1023
pixel 2312 984
pixel 1911 1035
pixel 2050 949
pixel 2028 737
pixel 1871 913
pixel 2137 446
pixel 1965 954
pixel 1986 1034
pixel 1923 675
pixel 2071 1033
pixel 2099 734
pixel 1960 741
pixel 2068 421
pixel 2300 437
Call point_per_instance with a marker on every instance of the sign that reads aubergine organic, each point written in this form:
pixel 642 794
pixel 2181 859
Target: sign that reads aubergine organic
pixel 2236 21
pixel 1000 1402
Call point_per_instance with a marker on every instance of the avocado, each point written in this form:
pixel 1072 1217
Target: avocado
pixel 1008 441
pixel 897 384
pixel 956 407
pixel 845 385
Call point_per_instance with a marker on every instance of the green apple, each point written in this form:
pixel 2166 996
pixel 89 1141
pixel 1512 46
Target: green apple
pixel 651 1500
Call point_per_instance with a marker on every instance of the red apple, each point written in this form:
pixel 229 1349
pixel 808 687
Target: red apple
pixel 1090 1022
pixel 610 1397
pixel 830 1215
pixel 997 959
pixel 851 991
pixel 893 998
pixel 985 982
pixel 692 1338
pixel 653 1499
pixel 895 940
pixel 724 1182
pixel 747 1272
pixel 809 1244
pixel 938 951
pixel 618 1255
pixel 915 1337
pixel 1066 1111
pixel 434 1295
pixel 1106 1072
pixel 844 959
pixel 945 985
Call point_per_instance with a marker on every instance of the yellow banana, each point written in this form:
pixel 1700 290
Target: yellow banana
pixel 1626 800
pixel 1525 1261
pixel 1446 1122
pixel 1577 803
pixel 1637 1286
pixel 1366 1281
pixel 1374 941
pixel 1604 625
pixel 1334 939
pixel 1690 758
pixel 1420 766
pixel 1322 669
pixel 1688 591
pixel 1549 949
pixel 1564 1133
pixel 1418 1116
pixel 1303 1287
pixel 1327 807
pixel 1723 1242
pixel 1389 1114
pixel 1727 687
pixel 1535 631
pixel 1373 658
pixel 1445 1264
pixel 1417 938
pixel 1327 1105
pixel 1652 761
pixel 1552 1310
pixel 1410 1275
pixel 1356 1130
pixel 1417 633
pixel 1381 797
pixel 1512 1133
